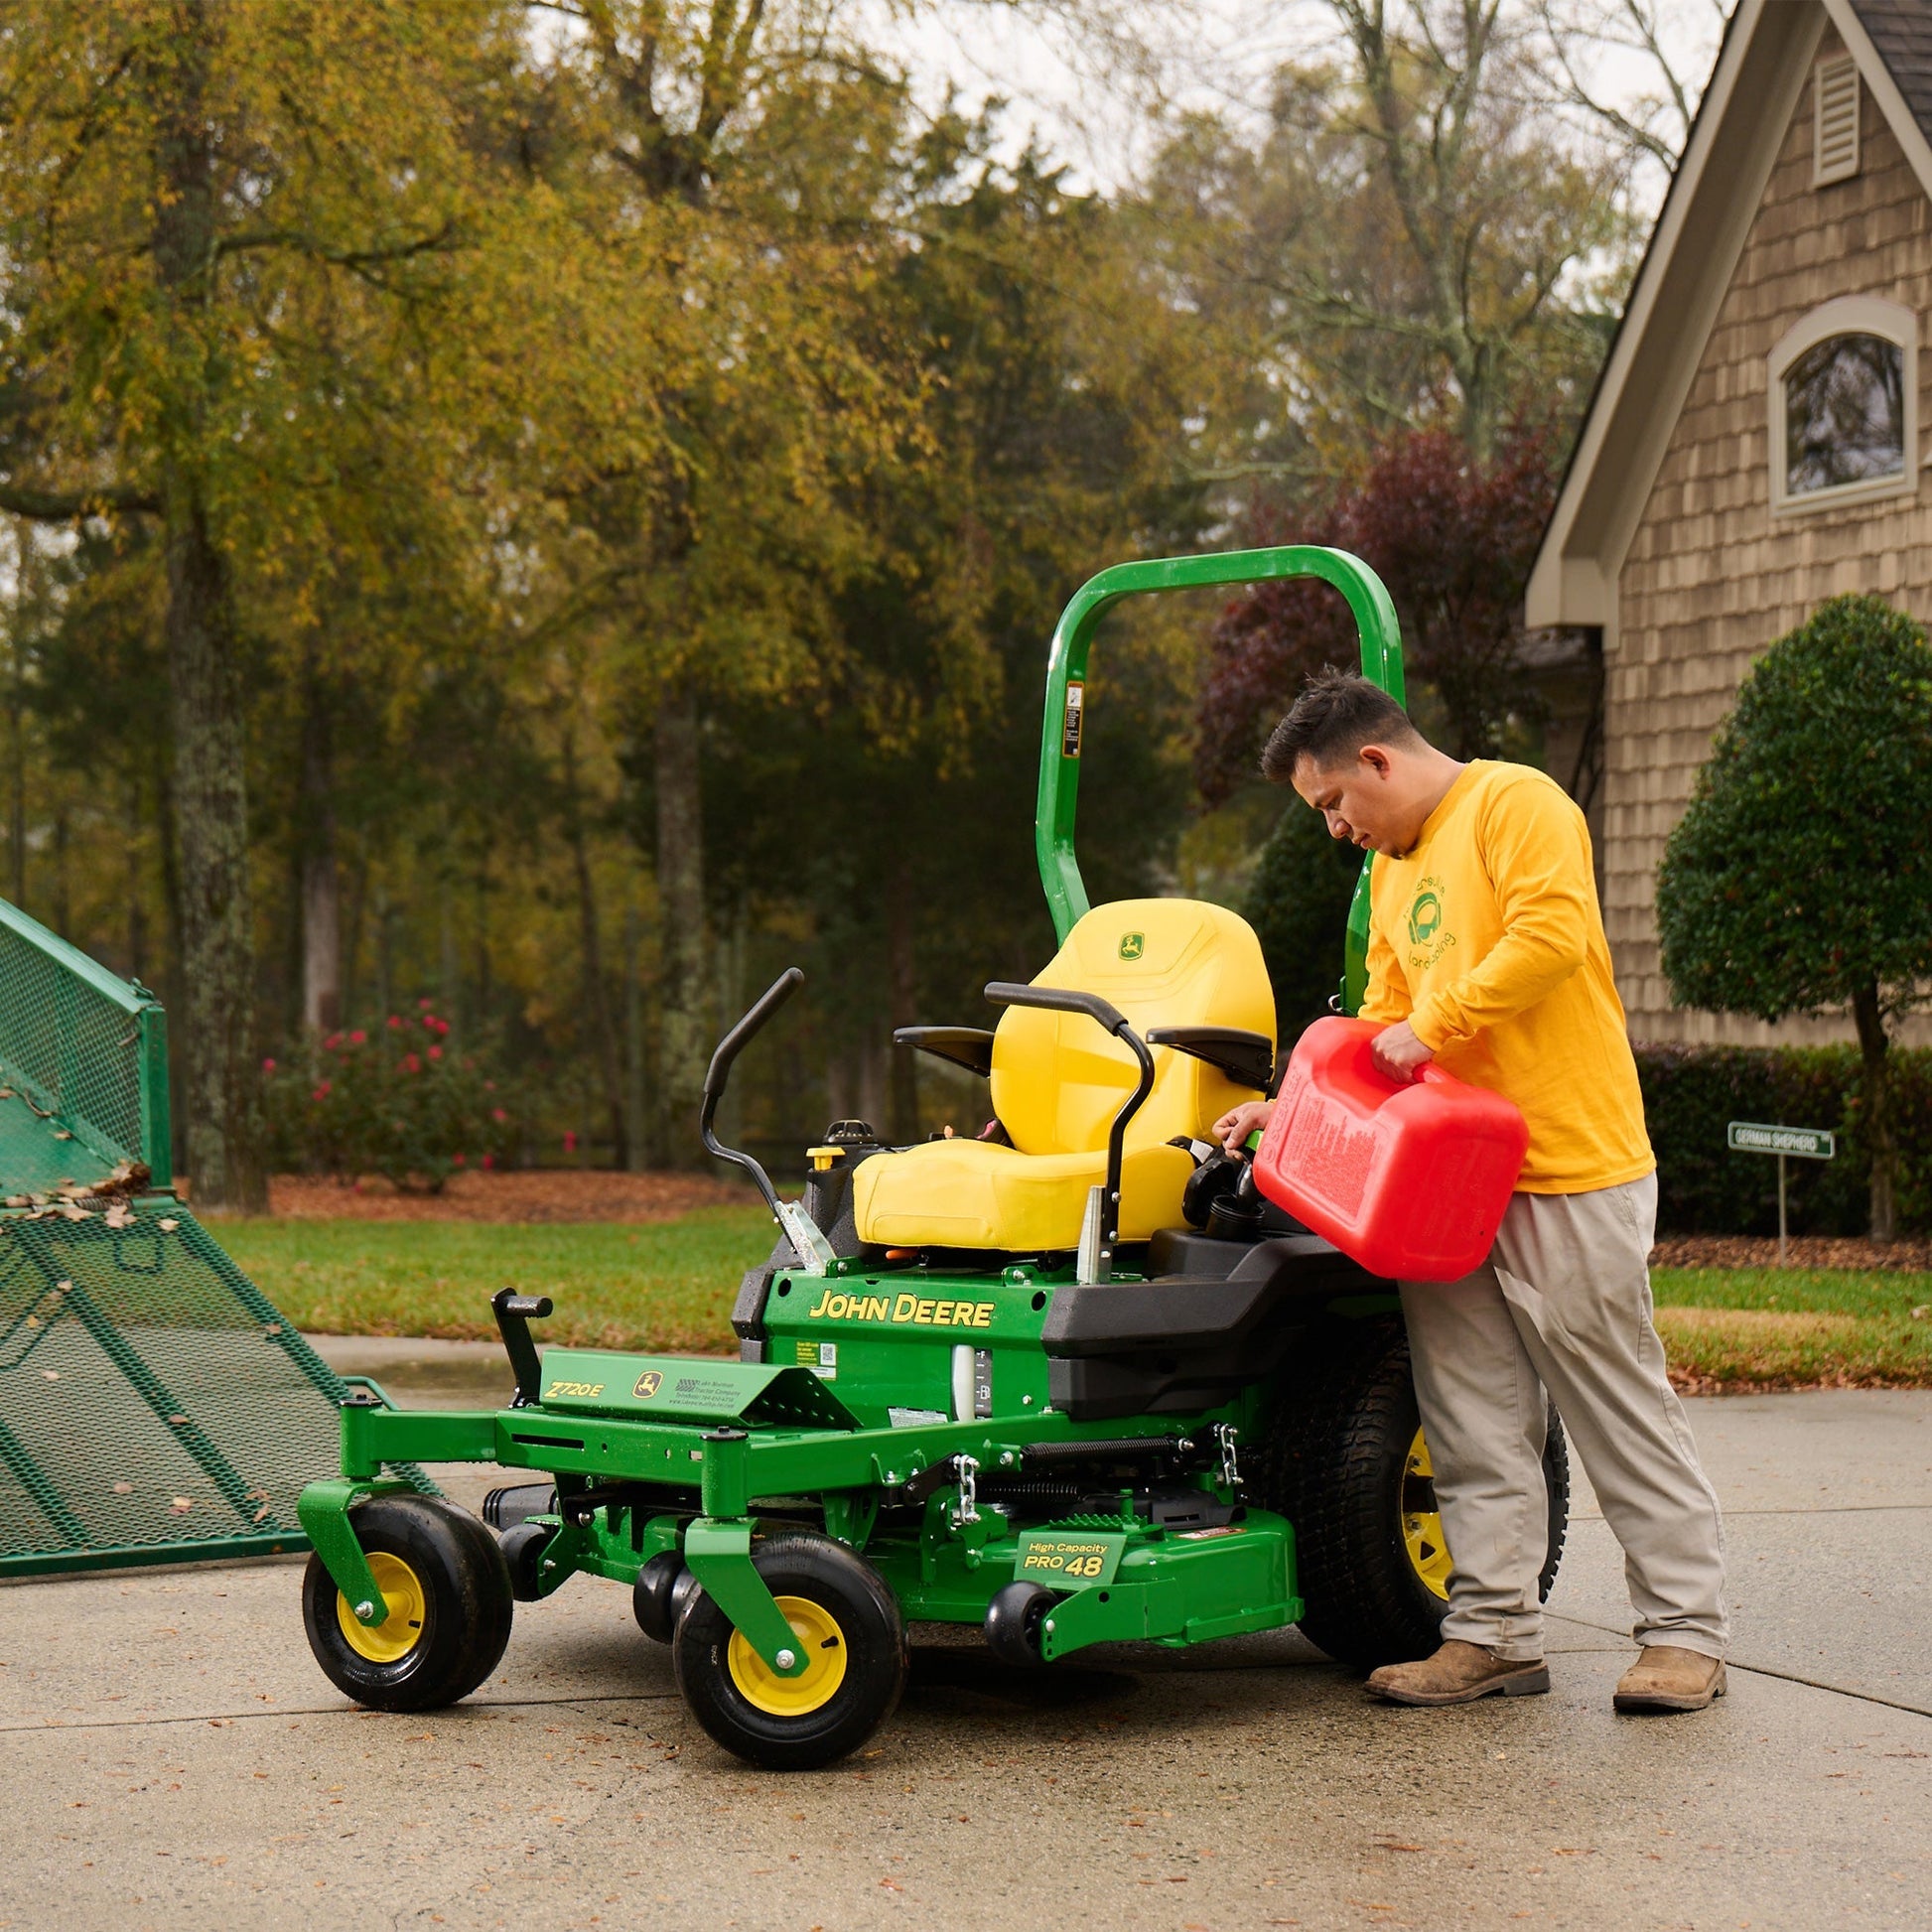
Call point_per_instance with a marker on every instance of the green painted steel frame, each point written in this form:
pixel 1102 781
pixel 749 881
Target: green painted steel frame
pixel 1059 769
pixel 735 1468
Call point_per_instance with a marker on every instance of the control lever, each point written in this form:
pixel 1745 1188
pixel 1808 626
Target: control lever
pixel 807 1239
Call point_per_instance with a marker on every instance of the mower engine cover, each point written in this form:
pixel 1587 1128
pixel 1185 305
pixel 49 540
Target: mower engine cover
pixel 1408 1177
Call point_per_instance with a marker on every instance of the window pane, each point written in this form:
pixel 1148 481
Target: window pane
pixel 1844 413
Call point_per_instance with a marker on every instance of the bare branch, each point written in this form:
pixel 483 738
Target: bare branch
pixel 69 505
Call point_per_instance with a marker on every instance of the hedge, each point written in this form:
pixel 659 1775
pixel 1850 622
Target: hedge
pixel 1689 1092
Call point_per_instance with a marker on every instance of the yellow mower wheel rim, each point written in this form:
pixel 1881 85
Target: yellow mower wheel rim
pixel 1421 1529
pixel 391 1640
pixel 823 1644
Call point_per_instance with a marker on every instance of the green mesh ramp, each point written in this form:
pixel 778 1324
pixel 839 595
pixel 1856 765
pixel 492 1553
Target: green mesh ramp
pixel 83 1060
pixel 155 1407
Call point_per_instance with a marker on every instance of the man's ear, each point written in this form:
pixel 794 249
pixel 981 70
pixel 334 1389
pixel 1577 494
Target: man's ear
pixel 1377 759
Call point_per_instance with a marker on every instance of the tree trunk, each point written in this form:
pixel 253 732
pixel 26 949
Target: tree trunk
pixel 17 785
pixel 137 926
pixel 636 1135
pixel 322 901
pixel 224 1143
pixel 684 1022
pixel 217 967
pixel 1876 1125
pixel 63 882
pixel 599 1023
pixel 902 994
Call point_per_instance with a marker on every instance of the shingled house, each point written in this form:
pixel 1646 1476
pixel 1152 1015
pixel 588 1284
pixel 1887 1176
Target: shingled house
pixel 1755 443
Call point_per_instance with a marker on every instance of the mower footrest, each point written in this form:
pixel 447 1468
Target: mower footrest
pixel 1185 1588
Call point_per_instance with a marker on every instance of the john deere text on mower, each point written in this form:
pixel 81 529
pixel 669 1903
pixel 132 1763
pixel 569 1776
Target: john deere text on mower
pixel 1074 1383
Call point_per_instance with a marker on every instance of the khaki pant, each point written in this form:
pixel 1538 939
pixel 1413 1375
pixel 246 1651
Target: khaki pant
pixel 1563 1304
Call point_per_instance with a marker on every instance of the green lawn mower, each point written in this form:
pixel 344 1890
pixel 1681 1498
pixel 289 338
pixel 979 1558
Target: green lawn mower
pixel 1073 1382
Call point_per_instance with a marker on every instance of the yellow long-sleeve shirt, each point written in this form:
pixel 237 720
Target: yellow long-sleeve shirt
pixel 1488 939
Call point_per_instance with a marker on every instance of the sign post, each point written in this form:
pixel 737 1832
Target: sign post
pixel 1758 1137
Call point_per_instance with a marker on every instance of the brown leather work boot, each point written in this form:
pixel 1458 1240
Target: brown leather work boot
pixel 1668 1678
pixel 1459 1673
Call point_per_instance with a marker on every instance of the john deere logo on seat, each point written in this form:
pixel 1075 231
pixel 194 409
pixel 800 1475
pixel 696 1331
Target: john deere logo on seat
pixel 1131 945
pixel 649 1382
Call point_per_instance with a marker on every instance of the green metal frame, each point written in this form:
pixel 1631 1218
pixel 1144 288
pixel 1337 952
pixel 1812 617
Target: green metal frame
pixel 1062 728
pixel 1245 1581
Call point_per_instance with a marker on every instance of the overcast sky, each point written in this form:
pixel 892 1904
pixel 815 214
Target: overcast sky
pixel 1204 53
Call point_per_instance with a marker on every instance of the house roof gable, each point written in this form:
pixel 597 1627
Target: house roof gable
pixel 1713 196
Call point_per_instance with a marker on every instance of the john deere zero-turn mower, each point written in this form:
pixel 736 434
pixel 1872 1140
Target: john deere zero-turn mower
pixel 1073 1381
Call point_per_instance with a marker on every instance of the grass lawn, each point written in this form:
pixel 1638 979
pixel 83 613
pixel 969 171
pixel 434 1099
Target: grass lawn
pixel 1782 1326
pixel 668 1285
pixel 655 1284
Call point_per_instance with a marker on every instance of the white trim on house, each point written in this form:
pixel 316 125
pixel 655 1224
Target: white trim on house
pixel 1767 59
pixel 1847 314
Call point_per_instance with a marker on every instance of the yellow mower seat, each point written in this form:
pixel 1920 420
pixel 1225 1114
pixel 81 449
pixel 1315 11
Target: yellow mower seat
pixel 1058 1080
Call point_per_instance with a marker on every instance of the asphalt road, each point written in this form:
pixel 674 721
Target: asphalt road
pixel 172 1758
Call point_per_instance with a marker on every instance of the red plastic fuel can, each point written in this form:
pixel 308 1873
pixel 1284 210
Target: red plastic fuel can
pixel 1407 1178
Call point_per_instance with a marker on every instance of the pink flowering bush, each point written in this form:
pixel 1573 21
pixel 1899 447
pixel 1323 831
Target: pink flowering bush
pixel 403 1102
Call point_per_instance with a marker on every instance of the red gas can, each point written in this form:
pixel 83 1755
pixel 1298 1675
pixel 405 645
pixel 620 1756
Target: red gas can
pixel 1407 1178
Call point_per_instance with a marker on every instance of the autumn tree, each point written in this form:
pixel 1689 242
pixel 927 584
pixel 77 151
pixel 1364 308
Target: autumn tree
pixel 273 274
pixel 1452 538
pixel 1055 389
pixel 1409 243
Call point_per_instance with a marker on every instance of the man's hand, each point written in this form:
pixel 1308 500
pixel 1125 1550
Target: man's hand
pixel 1234 1126
pixel 1397 1051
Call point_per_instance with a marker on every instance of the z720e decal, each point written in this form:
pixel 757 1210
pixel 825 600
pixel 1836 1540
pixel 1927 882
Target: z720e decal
pixel 902 1308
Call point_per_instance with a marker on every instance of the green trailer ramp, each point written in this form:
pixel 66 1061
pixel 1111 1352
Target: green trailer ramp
pixel 155 1406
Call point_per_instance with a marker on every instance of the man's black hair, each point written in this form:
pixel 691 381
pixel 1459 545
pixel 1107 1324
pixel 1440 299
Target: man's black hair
pixel 1338 713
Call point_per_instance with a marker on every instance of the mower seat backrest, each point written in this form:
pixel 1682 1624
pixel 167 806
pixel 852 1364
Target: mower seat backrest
pixel 1058 1080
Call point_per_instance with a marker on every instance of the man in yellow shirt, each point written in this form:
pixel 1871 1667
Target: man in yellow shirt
pixel 1486 954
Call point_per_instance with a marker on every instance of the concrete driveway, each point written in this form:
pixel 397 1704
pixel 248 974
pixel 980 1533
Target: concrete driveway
pixel 172 1758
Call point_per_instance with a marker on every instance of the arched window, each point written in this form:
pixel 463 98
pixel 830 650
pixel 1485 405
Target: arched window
pixel 1844 400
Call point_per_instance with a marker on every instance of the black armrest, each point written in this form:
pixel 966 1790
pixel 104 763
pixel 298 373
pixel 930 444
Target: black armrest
pixel 1246 1058
pixel 967 1047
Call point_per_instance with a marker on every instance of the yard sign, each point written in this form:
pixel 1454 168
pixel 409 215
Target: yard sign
pixel 1760 1137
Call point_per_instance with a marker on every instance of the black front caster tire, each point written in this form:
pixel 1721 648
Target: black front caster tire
pixel 523 1546
pixel 1012 1621
pixel 660 1594
pixel 854 1640
pixel 447 1589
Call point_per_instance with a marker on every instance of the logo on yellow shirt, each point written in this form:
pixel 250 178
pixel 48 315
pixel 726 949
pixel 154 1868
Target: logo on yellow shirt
pixel 1425 915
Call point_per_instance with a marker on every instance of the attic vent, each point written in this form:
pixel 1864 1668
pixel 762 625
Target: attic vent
pixel 1835 152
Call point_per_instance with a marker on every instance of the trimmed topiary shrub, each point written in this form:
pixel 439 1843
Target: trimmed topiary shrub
pixel 1799 880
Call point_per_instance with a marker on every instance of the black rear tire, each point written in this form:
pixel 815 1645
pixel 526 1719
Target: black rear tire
pixel 1339 1467
pixel 450 1608
pixel 855 1636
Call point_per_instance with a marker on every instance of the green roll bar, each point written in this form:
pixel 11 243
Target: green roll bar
pixel 1062 728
